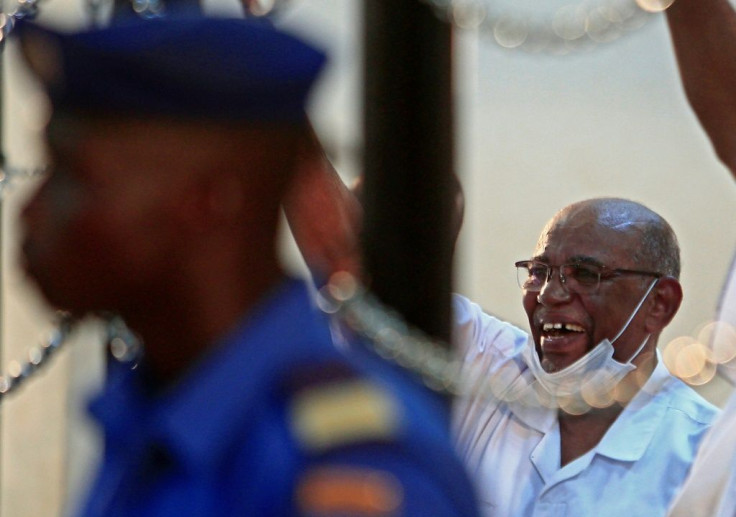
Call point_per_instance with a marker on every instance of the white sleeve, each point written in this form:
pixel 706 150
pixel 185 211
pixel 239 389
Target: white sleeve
pixel 490 351
pixel 475 332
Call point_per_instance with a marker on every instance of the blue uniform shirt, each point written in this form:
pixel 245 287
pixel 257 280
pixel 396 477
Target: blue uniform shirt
pixel 276 421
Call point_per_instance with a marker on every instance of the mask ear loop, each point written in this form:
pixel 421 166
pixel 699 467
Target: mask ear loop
pixel 633 314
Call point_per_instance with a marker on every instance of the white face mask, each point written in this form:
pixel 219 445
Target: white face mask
pixel 592 377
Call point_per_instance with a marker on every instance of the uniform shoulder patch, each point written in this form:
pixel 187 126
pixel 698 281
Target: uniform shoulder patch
pixel 335 490
pixel 340 411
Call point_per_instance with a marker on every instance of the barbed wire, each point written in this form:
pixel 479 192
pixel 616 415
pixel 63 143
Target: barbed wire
pixel 18 372
pixel 568 28
pixel 391 336
pixel 10 176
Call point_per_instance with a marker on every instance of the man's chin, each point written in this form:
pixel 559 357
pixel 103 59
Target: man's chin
pixel 554 364
pixel 550 366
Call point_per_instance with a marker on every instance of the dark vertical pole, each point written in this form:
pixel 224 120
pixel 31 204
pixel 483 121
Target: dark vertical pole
pixel 408 131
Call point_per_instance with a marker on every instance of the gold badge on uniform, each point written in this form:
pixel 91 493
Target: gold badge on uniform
pixel 341 413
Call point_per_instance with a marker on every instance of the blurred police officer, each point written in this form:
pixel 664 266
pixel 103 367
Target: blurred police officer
pixel 172 142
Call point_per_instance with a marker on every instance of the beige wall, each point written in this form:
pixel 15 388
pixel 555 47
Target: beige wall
pixel 534 133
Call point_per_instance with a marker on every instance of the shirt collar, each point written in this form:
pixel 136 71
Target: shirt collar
pixel 195 420
pixel 631 433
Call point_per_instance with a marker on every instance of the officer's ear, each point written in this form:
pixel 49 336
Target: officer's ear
pixel 667 297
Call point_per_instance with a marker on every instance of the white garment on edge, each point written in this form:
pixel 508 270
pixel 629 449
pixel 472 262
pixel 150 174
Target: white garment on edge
pixel 513 451
pixel 710 490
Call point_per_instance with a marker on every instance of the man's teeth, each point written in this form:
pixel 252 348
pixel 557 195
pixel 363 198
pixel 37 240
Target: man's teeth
pixel 571 327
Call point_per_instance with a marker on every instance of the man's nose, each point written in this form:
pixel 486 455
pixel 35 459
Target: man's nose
pixel 553 291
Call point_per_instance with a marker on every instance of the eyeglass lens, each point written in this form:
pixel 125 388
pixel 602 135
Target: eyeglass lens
pixel 578 278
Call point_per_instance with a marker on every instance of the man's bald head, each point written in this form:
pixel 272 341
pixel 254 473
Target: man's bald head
pixel 657 249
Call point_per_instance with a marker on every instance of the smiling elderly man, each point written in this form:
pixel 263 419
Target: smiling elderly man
pixel 581 417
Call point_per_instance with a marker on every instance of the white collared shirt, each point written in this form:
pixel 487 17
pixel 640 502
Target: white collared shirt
pixel 513 451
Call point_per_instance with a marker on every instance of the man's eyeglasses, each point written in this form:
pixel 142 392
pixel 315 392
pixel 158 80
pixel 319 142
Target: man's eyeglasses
pixel 578 278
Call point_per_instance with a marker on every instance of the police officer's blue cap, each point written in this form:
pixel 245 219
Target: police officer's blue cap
pixel 192 67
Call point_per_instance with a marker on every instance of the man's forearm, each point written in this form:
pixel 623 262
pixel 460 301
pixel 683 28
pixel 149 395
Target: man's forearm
pixel 323 214
pixel 704 36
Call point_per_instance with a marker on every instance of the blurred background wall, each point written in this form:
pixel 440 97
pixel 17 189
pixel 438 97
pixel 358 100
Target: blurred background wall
pixel 535 131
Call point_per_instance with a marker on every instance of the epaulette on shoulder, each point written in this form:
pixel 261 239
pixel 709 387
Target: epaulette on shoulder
pixel 331 406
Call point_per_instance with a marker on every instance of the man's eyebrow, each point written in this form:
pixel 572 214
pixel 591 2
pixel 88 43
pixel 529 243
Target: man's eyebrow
pixel 584 259
pixel 575 259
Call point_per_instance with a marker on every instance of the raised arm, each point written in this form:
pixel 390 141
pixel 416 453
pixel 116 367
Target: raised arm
pixel 704 36
pixel 324 215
